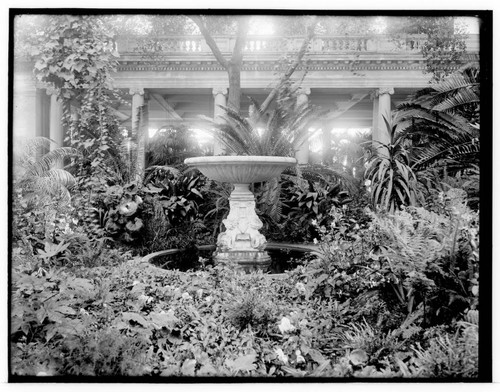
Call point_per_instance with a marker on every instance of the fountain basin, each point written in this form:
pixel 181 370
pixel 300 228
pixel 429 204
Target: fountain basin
pixel 241 169
pixel 282 257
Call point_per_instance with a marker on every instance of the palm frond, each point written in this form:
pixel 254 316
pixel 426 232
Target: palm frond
pixel 49 160
pixel 409 114
pixel 46 188
pixel 466 97
pixel 452 151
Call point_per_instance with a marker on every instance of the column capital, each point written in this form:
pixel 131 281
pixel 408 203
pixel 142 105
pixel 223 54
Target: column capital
pixel 384 90
pixel 51 91
pixel 136 91
pixel 219 90
pixel 303 91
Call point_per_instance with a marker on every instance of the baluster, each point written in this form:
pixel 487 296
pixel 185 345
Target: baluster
pixel 333 44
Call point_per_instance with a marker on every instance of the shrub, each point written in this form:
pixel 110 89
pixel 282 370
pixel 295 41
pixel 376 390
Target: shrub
pixel 450 355
pixel 251 310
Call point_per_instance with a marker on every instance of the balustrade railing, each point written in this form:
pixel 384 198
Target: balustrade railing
pixel 271 44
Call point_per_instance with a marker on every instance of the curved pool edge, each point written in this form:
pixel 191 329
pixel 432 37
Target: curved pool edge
pixel 306 248
pixel 166 252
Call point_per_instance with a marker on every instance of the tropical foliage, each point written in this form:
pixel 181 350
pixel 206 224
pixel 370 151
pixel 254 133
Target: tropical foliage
pixel 443 124
pixel 390 174
pixel 390 289
pixel 337 316
pixel 447 114
pixel 284 131
pixel 434 140
pixel 38 169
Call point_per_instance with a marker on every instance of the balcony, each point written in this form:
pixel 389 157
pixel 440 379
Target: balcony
pixel 272 45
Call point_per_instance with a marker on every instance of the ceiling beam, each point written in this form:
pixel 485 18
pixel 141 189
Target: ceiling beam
pixel 165 106
pixel 343 107
pixel 122 117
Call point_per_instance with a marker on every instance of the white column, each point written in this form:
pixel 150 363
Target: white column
pixel 220 97
pixel 302 155
pixel 56 131
pixel 380 131
pixel 24 121
pixel 326 140
pixel 374 97
pixel 139 129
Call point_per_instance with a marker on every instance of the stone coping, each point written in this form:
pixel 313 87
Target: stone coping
pixel 311 248
pixel 239 159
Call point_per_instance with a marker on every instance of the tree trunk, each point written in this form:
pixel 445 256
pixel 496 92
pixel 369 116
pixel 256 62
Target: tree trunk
pixel 234 94
pixel 233 66
pixel 298 60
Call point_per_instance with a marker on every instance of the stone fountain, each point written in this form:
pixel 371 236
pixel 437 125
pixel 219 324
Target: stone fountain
pixel 241 244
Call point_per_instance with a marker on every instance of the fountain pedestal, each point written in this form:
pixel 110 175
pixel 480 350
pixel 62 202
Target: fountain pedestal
pixel 242 241
pixel 241 244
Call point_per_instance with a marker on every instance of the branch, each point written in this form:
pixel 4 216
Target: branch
pixel 209 40
pixel 237 56
pixel 293 67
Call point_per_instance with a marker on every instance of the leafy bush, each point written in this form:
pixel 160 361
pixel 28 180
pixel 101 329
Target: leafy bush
pixel 179 195
pixel 449 355
pixel 173 210
pixel 251 310
pixel 310 207
pixel 412 258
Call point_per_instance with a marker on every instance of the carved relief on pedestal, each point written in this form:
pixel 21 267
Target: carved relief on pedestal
pixel 242 228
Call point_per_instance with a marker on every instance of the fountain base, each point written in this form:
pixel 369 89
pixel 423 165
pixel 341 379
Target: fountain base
pixel 247 260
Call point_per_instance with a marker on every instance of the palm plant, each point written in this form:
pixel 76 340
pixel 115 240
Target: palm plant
pixel 41 174
pixel 444 121
pixel 41 189
pixel 280 134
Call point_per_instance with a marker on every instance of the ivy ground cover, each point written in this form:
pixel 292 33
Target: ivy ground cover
pixel 134 319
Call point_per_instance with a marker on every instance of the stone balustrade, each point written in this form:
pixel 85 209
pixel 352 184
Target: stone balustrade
pixel 272 44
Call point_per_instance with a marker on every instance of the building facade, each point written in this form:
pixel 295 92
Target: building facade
pixel 356 80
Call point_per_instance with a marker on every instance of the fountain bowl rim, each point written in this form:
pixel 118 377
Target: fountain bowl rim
pixel 240 159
